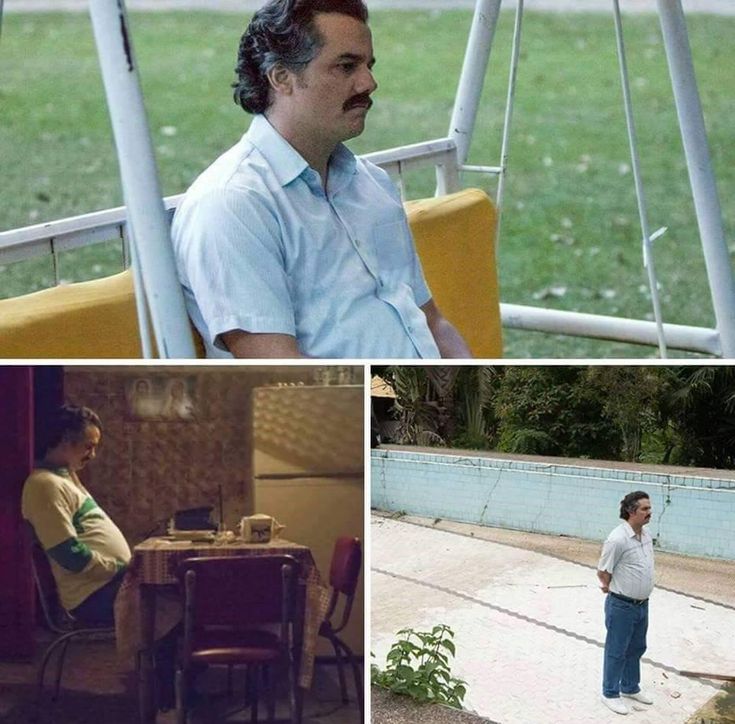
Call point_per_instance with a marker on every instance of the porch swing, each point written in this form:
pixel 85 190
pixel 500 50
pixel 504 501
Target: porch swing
pixel 141 312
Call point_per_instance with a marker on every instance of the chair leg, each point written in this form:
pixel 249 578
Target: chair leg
pixel 181 695
pixel 42 670
pixel 294 699
pixel 60 667
pixel 254 694
pixel 356 673
pixel 41 677
pixel 340 668
pixel 270 682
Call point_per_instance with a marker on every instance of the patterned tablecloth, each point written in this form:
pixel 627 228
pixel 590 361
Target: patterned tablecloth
pixel 154 565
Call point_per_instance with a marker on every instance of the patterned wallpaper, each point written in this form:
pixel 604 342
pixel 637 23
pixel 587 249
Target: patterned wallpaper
pixel 312 430
pixel 154 461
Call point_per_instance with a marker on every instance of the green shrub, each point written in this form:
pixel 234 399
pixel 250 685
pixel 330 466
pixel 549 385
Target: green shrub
pixel 418 666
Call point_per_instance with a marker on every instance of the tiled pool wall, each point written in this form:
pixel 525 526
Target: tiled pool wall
pixel 691 515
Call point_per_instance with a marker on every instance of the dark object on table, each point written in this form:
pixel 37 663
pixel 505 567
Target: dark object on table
pixel 194 519
pixel 227 600
pixel 344 573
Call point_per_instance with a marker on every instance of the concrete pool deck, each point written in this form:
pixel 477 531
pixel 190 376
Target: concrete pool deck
pixel 528 619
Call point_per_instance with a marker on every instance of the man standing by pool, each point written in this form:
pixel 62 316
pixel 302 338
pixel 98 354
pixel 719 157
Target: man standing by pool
pixel 288 245
pixel 625 572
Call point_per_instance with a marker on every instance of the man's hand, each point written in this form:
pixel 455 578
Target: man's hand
pixel 447 338
pixel 258 346
pixel 604 578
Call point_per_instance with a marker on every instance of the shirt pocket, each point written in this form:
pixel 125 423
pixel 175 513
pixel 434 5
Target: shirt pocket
pixel 393 245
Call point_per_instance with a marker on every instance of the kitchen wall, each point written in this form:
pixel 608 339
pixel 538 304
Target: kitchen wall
pixel 149 466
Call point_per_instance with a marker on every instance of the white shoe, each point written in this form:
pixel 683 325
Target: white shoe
pixel 615 705
pixel 641 696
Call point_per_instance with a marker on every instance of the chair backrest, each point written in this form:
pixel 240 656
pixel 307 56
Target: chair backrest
pixel 344 570
pixel 46 591
pixel 97 318
pixel 239 591
pixel 344 573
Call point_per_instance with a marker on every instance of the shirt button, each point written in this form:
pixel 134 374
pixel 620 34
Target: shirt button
pixel 357 242
pixel 409 329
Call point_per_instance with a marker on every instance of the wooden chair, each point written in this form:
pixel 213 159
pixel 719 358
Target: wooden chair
pixel 227 602
pixel 57 620
pixel 344 573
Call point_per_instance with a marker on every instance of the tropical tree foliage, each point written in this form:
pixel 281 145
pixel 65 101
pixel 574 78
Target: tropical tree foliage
pixel 677 415
pixel 700 415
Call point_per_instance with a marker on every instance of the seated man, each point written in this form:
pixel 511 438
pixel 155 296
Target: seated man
pixel 87 551
pixel 288 245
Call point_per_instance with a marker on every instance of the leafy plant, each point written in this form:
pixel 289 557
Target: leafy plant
pixel 418 666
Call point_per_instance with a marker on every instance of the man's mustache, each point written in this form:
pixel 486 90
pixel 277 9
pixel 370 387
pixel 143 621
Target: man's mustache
pixel 362 99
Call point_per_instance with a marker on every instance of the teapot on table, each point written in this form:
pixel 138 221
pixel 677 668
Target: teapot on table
pixel 260 528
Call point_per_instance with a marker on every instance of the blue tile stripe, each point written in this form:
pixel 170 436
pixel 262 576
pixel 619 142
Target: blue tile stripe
pixel 692 515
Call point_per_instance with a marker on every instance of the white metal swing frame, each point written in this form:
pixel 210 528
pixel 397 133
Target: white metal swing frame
pixel 160 300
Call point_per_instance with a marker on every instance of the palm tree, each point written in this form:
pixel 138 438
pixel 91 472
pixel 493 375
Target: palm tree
pixel 699 410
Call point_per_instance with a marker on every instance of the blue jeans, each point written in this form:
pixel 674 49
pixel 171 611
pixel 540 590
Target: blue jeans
pixel 97 609
pixel 625 643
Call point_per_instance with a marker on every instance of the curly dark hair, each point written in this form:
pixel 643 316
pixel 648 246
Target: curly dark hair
pixel 67 422
pixel 629 504
pixel 282 31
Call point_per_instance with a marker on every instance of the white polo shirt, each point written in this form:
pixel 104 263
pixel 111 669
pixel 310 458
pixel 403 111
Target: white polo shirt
pixel 629 560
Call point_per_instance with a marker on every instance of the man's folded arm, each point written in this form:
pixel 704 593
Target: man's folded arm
pixel 260 345
pixel 53 524
pixel 75 556
pixel 447 338
pixel 604 577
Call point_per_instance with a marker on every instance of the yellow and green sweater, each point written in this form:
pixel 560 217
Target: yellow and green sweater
pixel 85 548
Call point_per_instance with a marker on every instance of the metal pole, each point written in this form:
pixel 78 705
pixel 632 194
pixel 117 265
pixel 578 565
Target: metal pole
pixel 140 306
pixel 701 176
pixel 638 181
pixel 505 144
pixel 141 188
pixel 473 74
pixel 619 329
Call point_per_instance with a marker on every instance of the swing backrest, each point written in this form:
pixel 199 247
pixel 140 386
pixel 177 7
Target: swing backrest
pixel 97 319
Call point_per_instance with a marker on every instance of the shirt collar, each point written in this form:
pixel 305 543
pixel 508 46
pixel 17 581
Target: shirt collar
pixel 285 161
pixel 58 469
pixel 630 533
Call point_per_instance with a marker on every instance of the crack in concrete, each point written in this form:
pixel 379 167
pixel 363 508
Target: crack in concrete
pixel 531 620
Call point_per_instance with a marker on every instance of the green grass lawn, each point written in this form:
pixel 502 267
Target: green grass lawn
pixel 570 236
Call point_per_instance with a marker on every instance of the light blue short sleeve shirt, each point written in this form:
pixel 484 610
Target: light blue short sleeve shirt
pixel 261 247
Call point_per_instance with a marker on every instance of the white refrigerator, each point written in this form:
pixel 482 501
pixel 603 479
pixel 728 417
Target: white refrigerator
pixel 308 468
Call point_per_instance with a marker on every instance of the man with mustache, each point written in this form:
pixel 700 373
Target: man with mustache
pixel 87 552
pixel 288 245
pixel 625 572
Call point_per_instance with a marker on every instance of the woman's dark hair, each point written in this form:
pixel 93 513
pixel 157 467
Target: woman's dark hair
pixel 629 504
pixel 68 422
pixel 282 31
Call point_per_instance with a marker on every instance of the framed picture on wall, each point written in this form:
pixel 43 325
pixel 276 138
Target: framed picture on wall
pixel 161 398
